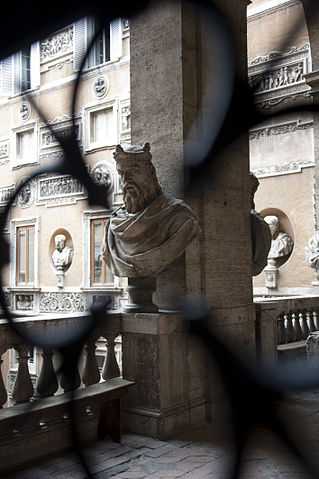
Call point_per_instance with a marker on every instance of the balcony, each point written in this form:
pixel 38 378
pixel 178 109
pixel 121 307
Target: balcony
pixel 283 325
pixel 43 414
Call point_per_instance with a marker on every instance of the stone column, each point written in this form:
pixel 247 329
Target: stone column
pixel 172 66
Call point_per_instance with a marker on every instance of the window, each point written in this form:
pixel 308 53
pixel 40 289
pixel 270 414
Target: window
pixel 100 272
pixel 26 69
pixel 102 125
pixel 101 49
pixel 25 142
pixel 21 71
pixel 108 46
pixel 25 256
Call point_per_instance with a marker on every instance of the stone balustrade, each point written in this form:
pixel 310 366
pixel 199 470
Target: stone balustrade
pixel 43 414
pixel 48 384
pixel 284 324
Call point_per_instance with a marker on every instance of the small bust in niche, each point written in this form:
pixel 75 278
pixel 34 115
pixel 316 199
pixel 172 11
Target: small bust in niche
pixel 281 243
pixel 62 255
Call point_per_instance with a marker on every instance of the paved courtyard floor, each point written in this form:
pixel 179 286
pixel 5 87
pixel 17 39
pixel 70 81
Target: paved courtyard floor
pixel 195 455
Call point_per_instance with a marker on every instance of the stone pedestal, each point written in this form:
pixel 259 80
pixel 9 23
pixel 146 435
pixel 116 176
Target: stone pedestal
pixel 169 368
pixel 271 275
pixel 140 294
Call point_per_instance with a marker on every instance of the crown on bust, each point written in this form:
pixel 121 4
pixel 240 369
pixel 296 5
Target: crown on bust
pixel 133 152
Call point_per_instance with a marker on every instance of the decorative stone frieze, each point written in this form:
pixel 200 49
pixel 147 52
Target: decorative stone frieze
pixel 274 170
pixel 277 55
pixel 62 303
pixel 24 302
pixel 59 186
pixel 6 193
pixel 282 129
pixel 56 45
pixel 279 77
pixel 4 149
pixel 48 139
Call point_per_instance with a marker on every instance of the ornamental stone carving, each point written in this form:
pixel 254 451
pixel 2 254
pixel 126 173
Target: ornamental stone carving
pixel 24 302
pixel 57 45
pixel 26 196
pixel 102 175
pixel 25 111
pixel 62 303
pixel 154 229
pixel 101 87
pixel 312 255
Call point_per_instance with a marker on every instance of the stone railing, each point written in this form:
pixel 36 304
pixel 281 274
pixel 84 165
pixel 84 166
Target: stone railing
pixel 40 413
pixel 47 383
pixel 284 324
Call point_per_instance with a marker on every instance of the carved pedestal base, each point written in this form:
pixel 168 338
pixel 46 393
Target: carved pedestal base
pixel 140 294
pixel 60 279
pixel 170 371
pixel 271 275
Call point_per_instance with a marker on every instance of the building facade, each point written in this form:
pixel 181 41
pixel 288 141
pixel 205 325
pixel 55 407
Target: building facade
pixel 39 278
pixel 282 149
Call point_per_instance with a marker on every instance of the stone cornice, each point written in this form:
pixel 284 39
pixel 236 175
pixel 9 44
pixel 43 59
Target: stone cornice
pixel 254 14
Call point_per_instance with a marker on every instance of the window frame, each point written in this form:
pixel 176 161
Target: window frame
pixel 88 217
pixel 114 138
pixel 33 158
pixel 14 227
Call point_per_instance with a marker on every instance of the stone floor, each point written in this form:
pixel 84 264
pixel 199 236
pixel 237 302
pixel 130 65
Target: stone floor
pixel 196 455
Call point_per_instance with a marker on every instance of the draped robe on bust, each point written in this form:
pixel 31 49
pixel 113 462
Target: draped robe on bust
pixel 144 244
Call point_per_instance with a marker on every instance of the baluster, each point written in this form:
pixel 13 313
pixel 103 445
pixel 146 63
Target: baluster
pixel 110 367
pixel 310 321
pixel 297 332
pixel 3 391
pixel 281 329
pixel 91 373
pixel 23 387
pixel 290 333
pixel 47 384
pixel 304 326
pixel 315 320
pixel 70 377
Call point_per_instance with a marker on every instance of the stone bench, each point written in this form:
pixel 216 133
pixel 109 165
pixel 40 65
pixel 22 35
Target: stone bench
pixel 35 430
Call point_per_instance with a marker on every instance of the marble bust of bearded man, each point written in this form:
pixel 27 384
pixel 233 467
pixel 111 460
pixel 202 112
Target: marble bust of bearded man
pixel 154 229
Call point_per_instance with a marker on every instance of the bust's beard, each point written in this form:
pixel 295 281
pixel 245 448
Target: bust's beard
pixel 137 199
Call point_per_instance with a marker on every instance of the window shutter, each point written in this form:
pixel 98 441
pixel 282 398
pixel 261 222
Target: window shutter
pixel 79 42
pixel 116 39
pixel 35 65
pixel 90 62
pixel 6 76
pixel 17 72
